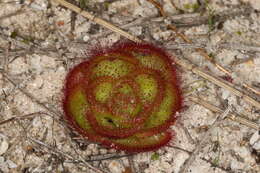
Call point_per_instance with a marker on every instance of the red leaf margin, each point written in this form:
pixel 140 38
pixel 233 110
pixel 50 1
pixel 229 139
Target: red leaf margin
pixel 123 48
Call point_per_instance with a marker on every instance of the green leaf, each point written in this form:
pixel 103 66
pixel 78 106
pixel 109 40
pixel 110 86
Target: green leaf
pixel 155 156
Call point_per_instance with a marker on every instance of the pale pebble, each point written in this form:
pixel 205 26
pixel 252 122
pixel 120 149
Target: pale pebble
pixel 4 145
pixel 116 167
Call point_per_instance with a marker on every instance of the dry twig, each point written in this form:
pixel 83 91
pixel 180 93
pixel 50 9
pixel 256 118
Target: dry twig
pixel 240 47
pixel 231 116
pixel 217 81
pixel 68 156
pixel 97 20
pixel 23 117
pixel 158 5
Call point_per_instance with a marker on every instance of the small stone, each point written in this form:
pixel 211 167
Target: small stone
pixel 2 159
pixel 103 151
pixel 11 164
pixel 37 122
pixel 225 94
pixel 137 30
pixel 255 141
pixel 116 167
pixel 187 5
pixel 3 144
pixel 38 5
pixel 18 66
pixel 255 4
pixel 3 165
pixel 164 35
pixel 86 38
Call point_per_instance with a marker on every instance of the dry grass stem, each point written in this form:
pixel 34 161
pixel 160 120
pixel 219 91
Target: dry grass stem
pixel 251 88
pixel 217 81
pixel 200 50
pixel 68 156
pixel 240 47
pixel 181 35
pixel 231 116
pixel 200 18
pixel 139 21
pixel 213 164
pixel 111 157
pixel 23 117
pixel 203 53
pixel 181 149
pixel 98 20
pixel 158 6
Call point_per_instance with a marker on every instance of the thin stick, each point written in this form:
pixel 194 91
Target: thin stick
pixel 179 148
pixel 98 20
pixel 23 117
pixel 158 6
pixel 203 53
pixel 252 89
pixel 111 157
pixel 240 47
pixel 200 50
pixel 56 151
pixel 230 116
pixel 218 81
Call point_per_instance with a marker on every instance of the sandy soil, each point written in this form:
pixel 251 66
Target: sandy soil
pixel 40 41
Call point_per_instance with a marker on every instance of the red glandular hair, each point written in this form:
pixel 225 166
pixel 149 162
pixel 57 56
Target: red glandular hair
pixel 125 97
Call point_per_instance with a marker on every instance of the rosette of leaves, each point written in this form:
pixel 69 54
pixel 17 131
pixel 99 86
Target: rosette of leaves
pixel 124 97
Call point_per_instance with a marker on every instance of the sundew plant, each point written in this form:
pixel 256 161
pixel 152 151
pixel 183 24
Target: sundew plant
pixel 124 97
